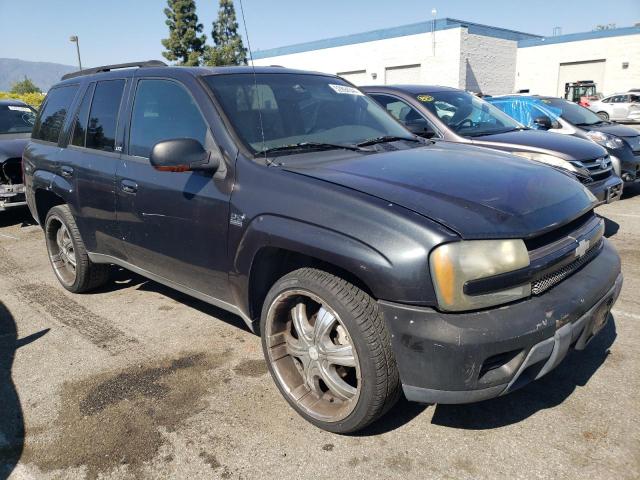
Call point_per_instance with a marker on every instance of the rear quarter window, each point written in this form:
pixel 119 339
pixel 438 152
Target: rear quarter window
pixel 53 113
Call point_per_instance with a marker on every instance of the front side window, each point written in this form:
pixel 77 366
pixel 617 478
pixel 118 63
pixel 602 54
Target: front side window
pixel 403 112
pixel 162 110
pixel 51 118
pixel 16 119
pixel 571 112
pixel 466 114
pixel 277 110
pixel 103 117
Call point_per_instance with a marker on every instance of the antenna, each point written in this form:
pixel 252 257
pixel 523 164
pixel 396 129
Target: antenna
pixel 255 82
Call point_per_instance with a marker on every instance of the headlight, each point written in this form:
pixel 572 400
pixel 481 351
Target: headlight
pixel 548 159
pixel 606 140
pixel 454 264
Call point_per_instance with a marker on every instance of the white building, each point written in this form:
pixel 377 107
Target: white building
pixel 471 56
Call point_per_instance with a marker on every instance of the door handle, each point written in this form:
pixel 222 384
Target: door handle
pixel 66 171
pixel 129 186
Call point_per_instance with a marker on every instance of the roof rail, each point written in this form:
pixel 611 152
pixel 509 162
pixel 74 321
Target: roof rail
pixel 106 68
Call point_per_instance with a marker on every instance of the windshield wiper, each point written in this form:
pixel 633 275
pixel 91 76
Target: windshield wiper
pixel 587 124
pixel 385 139
pixel 309 146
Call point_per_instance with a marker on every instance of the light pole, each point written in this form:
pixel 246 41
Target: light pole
pixel 434 12
pixel 74 39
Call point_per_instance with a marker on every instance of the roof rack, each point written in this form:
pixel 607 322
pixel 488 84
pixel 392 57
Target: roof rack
pixel 107 68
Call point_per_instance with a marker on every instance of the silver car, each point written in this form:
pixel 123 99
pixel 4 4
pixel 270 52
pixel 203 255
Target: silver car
pixel 621 106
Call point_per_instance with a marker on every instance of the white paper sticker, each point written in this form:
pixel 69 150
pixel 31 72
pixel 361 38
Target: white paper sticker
pixel 345 89
pixel 19 109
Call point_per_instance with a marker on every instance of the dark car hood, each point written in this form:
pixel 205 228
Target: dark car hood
pixel 563 146
pixel 613 129
pixel 12 147
pixel 476 192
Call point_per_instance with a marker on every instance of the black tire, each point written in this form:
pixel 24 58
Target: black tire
pixel 603 115
pixel 86 275
pixel 378 384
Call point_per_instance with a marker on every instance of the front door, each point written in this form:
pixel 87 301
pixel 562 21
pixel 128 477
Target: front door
pixel 173 225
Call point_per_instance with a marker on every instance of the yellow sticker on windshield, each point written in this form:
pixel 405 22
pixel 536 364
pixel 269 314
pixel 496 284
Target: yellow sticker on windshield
pixel 425 98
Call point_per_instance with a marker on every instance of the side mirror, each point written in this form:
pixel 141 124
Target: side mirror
pixel 543 122
pixel 182 155
pixel 420 130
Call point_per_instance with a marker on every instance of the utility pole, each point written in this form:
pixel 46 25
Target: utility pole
pixel 74 39
pixel 434 12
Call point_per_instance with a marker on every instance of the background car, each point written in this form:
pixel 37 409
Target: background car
pixel 558 115
pixel 456 116
pixel 16 122
pixel 622 106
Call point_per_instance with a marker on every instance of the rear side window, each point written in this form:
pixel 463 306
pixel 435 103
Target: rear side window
pixel 103 116
pixel 162 110
pixel 80 128
pixel 51 119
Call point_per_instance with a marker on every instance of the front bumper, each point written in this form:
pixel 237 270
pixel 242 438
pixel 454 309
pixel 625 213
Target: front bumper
pixel 608 190
pixel 468 357
pixel 12 196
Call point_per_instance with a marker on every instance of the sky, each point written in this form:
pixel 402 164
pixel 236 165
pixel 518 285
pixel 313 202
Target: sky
pixel 116 31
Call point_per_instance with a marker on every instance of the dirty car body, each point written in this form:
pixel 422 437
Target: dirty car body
pixel 16 121
pixel 293 171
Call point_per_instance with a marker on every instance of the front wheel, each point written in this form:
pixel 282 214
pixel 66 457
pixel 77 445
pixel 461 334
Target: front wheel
pixel 328 350
pixel 603 115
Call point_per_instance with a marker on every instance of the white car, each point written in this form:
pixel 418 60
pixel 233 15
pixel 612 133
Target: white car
pixel 621 106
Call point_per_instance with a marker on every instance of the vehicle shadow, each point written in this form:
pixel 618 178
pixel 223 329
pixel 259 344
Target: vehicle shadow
pixel 11 417
pixel 400 414
pixel 551 390
pixel 610 227
pixel 631 191
pixel 206 308
pixel 18 216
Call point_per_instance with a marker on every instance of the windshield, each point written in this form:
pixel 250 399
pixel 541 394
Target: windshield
pixel 295 109
pixel 466 114
pixel 16 119
pixel 571 112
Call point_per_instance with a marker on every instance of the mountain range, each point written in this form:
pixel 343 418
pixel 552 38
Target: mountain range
pixel 43 74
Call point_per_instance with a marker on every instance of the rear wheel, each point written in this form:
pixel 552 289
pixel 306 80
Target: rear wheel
pixel 68 254
pixel 603 115
pixel 328 350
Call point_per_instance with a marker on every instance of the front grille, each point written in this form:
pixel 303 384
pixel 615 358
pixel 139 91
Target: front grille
pixel 599 168
pixel 553 278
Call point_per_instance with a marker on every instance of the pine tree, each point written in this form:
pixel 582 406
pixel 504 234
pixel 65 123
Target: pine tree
pixel 184 45
pixel 24 86
pixel 228 48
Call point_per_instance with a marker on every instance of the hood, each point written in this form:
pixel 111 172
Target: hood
pixel 12 147
pixel 563 146
pixel 612 129
pixel 477 193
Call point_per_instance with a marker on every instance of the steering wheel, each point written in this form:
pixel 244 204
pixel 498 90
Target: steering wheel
pixel 459 125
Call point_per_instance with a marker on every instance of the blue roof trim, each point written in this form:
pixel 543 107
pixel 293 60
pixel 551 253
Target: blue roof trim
pixel 575 37
pixel 394 32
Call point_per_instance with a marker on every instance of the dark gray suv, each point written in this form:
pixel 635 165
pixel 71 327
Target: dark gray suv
pixel 372 262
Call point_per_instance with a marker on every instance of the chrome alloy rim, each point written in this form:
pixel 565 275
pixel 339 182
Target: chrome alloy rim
pixel 62 254
pixel 312 356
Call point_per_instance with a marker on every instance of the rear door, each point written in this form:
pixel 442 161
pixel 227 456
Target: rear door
pixel 174 224
pixel 90 162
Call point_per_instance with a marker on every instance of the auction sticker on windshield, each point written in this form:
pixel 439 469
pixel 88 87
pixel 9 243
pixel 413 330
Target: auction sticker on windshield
pixel 425 98
pixel 345 89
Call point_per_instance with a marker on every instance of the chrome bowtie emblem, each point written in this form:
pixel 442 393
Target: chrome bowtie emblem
pixel 581 249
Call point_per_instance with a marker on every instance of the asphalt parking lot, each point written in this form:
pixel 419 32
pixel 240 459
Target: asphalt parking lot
pixel 139 381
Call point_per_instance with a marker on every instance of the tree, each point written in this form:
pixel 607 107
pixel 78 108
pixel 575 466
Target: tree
pixel 228 48
pixel 184 45
pixel 24 86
